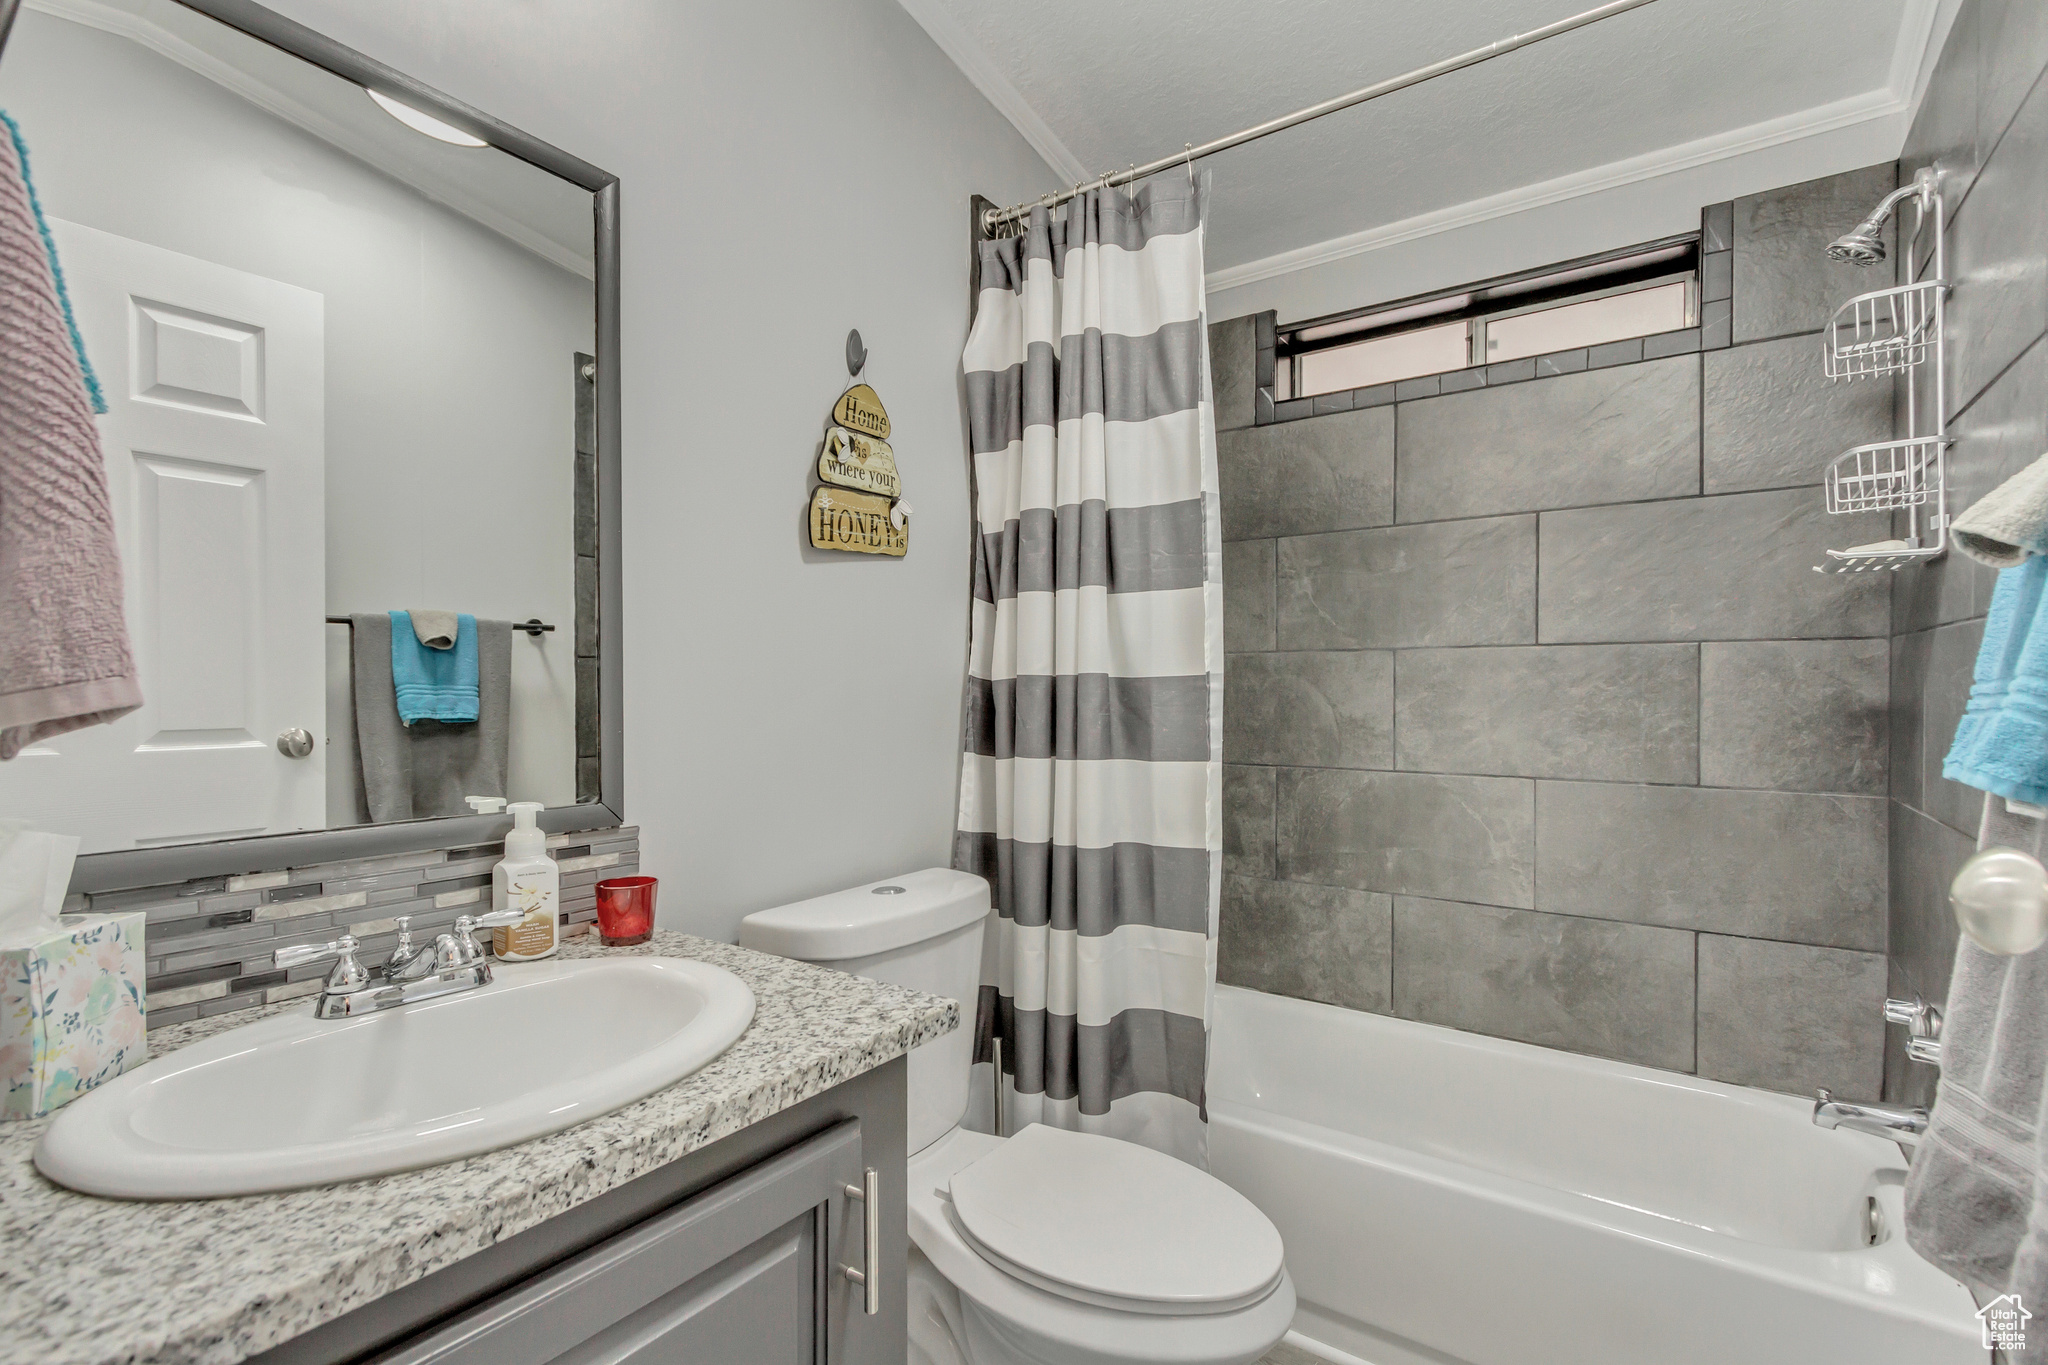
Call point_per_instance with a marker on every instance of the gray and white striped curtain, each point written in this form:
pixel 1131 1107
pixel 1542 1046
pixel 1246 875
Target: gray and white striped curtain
pixel 1091 767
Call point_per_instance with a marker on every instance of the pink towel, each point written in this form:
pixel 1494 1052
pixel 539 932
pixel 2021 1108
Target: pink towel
pixel 64 656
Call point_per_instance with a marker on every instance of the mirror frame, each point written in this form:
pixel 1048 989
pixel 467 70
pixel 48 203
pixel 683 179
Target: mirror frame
pixel 265 853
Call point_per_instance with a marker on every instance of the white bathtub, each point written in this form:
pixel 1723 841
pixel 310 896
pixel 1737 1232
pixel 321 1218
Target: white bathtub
pixel 1451 1198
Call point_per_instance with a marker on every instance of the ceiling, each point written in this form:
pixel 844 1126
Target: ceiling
pixel 1097 86
pixel 546 215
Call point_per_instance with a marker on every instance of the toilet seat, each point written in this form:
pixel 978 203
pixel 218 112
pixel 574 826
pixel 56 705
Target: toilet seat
pixel 1013 1320
pixel 1114 1224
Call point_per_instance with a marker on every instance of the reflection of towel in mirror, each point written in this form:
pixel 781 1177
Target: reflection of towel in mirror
pixel 410 772
pixel 435 629
pixel 64 656
pixel 432 683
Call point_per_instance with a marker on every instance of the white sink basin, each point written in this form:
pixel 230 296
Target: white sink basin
pixel 292 1100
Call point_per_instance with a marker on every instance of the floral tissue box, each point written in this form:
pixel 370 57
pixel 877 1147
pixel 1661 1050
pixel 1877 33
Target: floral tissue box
pixel 71 1011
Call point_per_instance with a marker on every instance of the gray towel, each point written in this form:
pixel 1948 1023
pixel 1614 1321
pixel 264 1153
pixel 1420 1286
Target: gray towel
pixel 2010 522
pixel 435 629
pixel 410 772
pixel 1977 1194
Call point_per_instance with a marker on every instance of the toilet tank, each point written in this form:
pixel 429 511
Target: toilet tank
pixel 921 930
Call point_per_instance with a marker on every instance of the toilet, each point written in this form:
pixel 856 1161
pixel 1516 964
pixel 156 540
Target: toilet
pixel 1048 1247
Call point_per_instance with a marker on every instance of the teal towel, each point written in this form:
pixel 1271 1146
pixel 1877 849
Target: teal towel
pixel 2001 743
pixel 433 684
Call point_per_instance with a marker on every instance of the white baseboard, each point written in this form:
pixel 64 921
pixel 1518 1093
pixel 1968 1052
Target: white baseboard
pixel 1322 1352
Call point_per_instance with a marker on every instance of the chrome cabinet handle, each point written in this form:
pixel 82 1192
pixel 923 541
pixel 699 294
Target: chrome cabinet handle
pixel 295 743
pixel 869 1192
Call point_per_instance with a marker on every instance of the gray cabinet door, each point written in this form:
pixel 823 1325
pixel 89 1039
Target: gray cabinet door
pixel 748 1272
pixel 757 1308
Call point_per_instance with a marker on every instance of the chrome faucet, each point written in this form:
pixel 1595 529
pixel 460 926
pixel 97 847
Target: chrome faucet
pixel 1923 1028
pixel 1879 1120
pixel 452 962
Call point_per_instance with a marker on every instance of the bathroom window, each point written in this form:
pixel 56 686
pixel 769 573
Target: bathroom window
pixel 1638 292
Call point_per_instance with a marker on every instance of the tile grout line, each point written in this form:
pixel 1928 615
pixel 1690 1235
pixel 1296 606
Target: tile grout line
pixel 1693 930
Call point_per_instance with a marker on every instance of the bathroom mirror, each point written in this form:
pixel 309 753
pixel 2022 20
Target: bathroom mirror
pixel 357 343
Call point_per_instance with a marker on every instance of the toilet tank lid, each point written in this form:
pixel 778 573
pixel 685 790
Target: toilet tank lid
pixel 871 918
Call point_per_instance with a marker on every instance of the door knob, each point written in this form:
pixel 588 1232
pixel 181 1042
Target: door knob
pixel 295 743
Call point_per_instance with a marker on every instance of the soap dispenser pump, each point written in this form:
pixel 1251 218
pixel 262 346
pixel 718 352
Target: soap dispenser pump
pixel 527 879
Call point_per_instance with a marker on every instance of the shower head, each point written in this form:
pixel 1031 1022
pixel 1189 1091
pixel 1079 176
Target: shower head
pixel 1865 244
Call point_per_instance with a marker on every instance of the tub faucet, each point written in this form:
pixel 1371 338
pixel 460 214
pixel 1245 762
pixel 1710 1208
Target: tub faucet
pixel 1879 1120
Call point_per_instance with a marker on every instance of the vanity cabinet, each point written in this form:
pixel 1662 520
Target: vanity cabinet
pixel 734 1254
pixel 675 1288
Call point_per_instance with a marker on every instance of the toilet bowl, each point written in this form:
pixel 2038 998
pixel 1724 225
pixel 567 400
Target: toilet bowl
pixel 1048 1247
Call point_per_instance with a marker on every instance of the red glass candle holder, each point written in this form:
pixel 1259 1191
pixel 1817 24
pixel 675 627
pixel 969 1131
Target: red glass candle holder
pixel 625 910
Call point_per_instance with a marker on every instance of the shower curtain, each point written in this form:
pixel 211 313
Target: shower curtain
pixel 1091 765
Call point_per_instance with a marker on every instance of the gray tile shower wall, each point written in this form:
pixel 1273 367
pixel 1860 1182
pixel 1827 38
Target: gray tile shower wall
pixel 209 942
pixel 1538 722
pixel 1984 126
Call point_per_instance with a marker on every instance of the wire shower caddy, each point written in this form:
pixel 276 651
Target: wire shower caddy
pixel 1882 334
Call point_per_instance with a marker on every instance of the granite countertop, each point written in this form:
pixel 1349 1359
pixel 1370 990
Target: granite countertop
pixel 90 1281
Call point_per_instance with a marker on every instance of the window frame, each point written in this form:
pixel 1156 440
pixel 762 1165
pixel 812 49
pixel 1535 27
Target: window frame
pixel 1647 265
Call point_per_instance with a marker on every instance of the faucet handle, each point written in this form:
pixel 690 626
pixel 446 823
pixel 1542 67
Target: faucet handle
pixel 490 919
pixel 312 952
pixel 1923 1028
pixel 348 975
pixel 458 949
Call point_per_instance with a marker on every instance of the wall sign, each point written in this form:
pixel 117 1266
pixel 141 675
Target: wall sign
pixel 858 506
pixel 855 461
pixel 860 408
pixel 843 519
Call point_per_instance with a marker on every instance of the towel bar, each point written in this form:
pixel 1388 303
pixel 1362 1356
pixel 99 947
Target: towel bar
pixel 534 626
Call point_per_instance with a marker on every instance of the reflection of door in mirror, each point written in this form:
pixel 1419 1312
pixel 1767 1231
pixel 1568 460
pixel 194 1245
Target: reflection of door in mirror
pixel 214 444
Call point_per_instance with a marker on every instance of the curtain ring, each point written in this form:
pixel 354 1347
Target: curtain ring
pixel 1189 148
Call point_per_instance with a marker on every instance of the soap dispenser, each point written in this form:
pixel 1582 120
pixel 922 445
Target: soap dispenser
pixel 527 879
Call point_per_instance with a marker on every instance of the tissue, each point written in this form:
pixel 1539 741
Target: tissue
pixel 71 986
pixel 35 868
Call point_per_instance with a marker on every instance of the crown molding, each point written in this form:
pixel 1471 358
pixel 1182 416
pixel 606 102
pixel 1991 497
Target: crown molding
pixel 953 40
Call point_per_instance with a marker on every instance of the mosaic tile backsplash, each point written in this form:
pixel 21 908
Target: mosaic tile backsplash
pixel 208 942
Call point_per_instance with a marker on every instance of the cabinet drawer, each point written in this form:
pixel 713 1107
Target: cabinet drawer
pixel 745 1273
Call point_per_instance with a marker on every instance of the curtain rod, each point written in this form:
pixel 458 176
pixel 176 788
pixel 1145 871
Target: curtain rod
pixel 994 218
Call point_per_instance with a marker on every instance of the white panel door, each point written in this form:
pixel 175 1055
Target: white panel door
pixel 215 452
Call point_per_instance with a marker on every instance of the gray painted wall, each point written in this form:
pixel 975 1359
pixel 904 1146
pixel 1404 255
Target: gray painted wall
pixel 1538 722
pixel 1984 123
pixel 787 171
